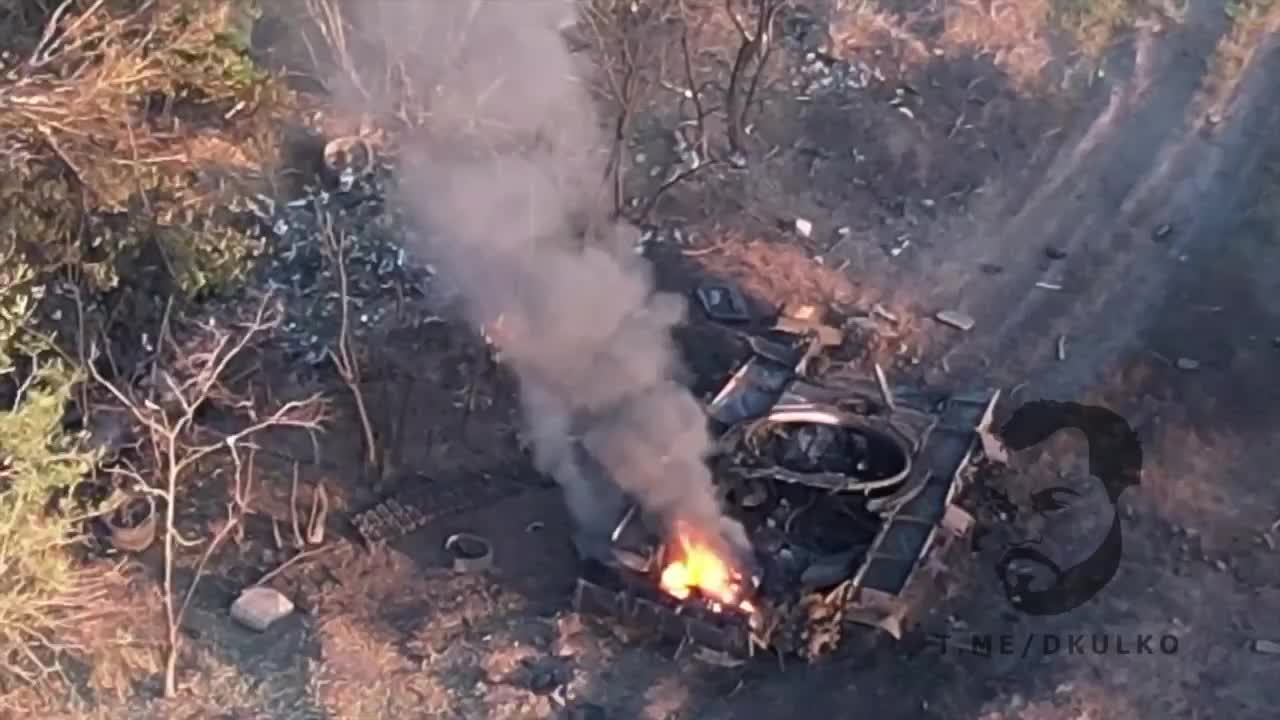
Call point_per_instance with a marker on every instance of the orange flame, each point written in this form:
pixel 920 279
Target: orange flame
pixel 700 568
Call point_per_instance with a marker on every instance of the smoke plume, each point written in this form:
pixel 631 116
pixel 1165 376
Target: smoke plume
pixel 507 178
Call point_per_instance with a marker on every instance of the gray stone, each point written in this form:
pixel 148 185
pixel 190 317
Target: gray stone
pixel 955 319
pixel 258 608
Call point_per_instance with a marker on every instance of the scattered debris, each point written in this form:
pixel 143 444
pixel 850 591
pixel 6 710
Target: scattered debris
pixel 1184 363
pixel 1048 286
pixel 259 607
pixel 421 499
pixel 955 319
pixel 1266 647
pixel 803 312
pixel 717 658
pixel 133 524
pixel 349 157
pixel 827 336
pixel 804 227
pixel 886 393
pixel 958 521
pixel 879 309
pixel 992 446
pixel 724 303
pixel 751 390
pixel 471 553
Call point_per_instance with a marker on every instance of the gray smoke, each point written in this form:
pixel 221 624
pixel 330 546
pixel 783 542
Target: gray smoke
pixel 508 179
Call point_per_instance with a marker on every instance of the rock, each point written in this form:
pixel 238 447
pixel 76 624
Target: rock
pixel 1266 647
pixel 955 319
pixel 258 607
pixel 1187 364
pixel 804 227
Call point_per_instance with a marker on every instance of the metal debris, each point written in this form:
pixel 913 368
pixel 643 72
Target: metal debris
pixel 804 227
pixel 879 309
pixel 1062 347
pixel 826 335
pixel 471 553
pixel 804 312
pixel 886 393
pixel 1162 232
pixel 421 500
pixel 1266 647
pixel 955 319
pixel 992 446
pixel 724 303
pixel 1048 286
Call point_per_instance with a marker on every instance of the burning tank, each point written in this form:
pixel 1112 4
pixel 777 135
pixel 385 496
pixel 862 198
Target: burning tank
pixel 847 490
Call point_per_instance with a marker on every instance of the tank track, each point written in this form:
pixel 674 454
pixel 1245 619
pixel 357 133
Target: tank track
pixel 421 500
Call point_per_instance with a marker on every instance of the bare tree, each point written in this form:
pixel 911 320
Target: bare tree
pixel 749 64
pixel 344 358
pixel 174 440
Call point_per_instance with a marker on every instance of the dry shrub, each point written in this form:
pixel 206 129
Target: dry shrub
pixel 777 273
pixel 107 125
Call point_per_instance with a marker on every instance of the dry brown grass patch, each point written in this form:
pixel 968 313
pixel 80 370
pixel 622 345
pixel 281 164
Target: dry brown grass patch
pixel 777 273
pixel 1252 21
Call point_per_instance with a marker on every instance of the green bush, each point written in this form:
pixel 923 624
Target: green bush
pixel 42 589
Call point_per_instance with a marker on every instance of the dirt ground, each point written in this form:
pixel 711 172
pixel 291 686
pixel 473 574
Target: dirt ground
pixel 1147 192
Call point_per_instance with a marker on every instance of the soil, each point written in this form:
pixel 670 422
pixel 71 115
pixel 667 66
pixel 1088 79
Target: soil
pixel 986 188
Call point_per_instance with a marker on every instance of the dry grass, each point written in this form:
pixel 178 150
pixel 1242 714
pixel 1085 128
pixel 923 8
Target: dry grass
pixel 1094 25
pixel 777 273
pixel 1016 35
pixel 1251 22
pixel 113 111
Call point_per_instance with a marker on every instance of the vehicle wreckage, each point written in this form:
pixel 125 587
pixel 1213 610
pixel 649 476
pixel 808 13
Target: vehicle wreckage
pixel 847 488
